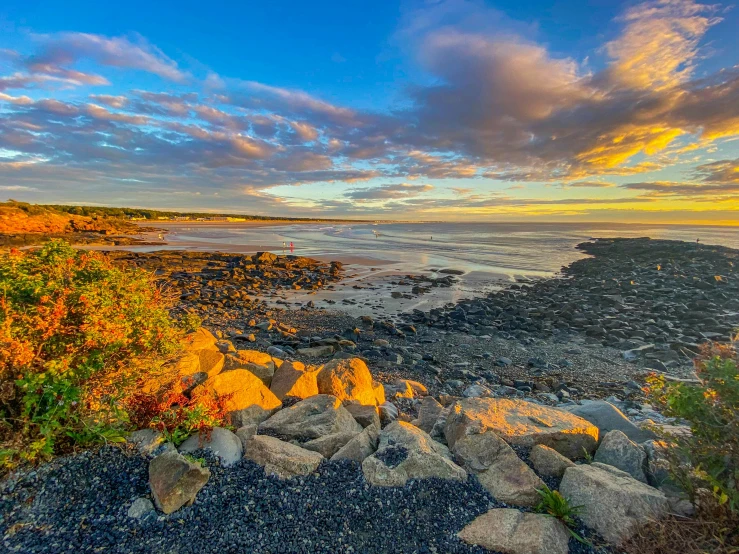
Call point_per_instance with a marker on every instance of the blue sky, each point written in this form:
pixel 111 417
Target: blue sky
pixel 424 110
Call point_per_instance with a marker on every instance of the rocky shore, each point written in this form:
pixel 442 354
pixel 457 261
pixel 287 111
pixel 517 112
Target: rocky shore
pixel 430 432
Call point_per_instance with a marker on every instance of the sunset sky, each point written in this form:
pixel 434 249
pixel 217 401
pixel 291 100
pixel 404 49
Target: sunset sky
pixel 414 110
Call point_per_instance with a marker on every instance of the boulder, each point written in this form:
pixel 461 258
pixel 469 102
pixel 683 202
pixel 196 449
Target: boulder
pixel 349 380
pixel 188 364
pixel 312 418
pixel 613 503
pixel 361 446
pixel 607 417
pixel 245 432
pixel 295 380
pixel 316 351
pixel 499 470
pixel 265 258
pixel 509 531
pixel 428 414
pixel 200 339
pixel 405 452
pixel 222 442
pixel 211 361
pixel 404 388
pixel 259 363
pixel 328 445
pixel 521 423
pixel 247 400
pixel 364 415
pixel 147 441
pixel 175 481
pixel 618 451
pixel 548 462
pixel 281 458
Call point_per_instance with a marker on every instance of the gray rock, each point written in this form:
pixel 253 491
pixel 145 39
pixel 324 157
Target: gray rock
pixel 614 503
pixel 222 442
pixel 618 451
pixel 245 432
pixel 548 462
pixel 513 532
pixel 147 441
pixel 361 446
pixel 281 458
pixel 175 481
pixel 428 414
pixel 607 417
pixel 366 416
pixel 405 452
pixel 140 507
pixel 328 445
pixel 312 418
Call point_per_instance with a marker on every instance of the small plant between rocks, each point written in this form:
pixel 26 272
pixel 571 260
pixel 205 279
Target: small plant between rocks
pixel 553 504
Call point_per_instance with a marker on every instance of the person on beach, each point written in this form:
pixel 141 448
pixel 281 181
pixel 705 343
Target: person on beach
pixel 284 246
pixel 292 248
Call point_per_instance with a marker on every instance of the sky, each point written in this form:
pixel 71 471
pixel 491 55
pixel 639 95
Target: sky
pixel 417 110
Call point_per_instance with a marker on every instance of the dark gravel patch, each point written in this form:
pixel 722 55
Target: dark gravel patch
pixel 79 504
pixel 392 456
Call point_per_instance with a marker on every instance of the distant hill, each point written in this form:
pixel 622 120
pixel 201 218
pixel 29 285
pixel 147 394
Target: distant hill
pixel 20 218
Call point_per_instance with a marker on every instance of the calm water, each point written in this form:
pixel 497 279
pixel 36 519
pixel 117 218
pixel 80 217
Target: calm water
pixel 503 248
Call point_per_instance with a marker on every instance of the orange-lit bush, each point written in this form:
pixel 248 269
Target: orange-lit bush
pixel 76 335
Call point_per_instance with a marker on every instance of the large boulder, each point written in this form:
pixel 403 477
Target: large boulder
pixel 312 418
pixel 175 481
pixel 607 417
pixel 295 380
pixel 281 458
pixel 260 364
pixel 361 446
pixel 246 399
pixel 618 451
pixel 211 361
pixel 512 532
pixel 200 339
pixel 499 470
pixel 405 452
pixel 350 380
pixel 613 502
pixel 364 415
pixel 521 423
pixel 222 442
pixel 548 462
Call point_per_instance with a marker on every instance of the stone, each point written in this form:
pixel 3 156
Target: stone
pixel 618 451
pixel 349 380
pixel 428 414
pixel 247 400
pixel 405 452
pixel 259 363
pixel 361 446
pixel 548 462
pixel 316 351
pixel 224 444
pixel 295 380
pixel 607 417
pixel 613 503
pixel 281 458
pixel 211 361
pixel 225 347
pixel 509 531
pixel 200 339
pixel 312 418
pixel 499 470
pixel 364 415
pixel 188 364
pixel 328 445
pixel 265 258
pixel 245 432
pixel 388 412
pixel 404 388
pixel 147 441
pixel 522 423
pixel 139 508
pixel 175 481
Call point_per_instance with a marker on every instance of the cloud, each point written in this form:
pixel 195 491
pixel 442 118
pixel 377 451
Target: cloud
pixel 722 171
pixel 64 49
pixel 388 192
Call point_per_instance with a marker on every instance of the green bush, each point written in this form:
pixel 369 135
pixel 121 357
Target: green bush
pixel 709 456
pixel 76 336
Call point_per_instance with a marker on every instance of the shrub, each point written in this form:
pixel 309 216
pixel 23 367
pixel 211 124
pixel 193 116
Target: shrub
pixel 76 335
pixel 709 456
pixel 553 504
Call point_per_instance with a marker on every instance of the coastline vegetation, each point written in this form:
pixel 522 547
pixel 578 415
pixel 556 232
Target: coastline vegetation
pixel 77 337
